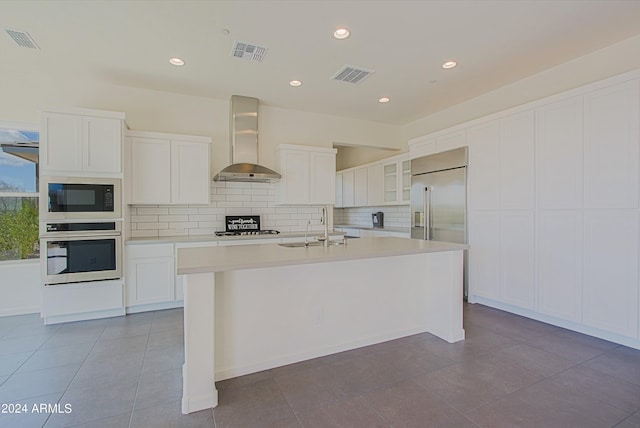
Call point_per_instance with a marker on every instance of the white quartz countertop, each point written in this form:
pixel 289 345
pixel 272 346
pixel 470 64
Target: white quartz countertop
pixel 214 238
pixel 228 258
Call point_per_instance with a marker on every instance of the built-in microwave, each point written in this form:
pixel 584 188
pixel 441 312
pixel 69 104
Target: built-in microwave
pixel 81 251
pixel 80 198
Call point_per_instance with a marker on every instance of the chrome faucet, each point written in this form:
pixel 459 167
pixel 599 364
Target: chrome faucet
pixel 325 222
pixel 306 232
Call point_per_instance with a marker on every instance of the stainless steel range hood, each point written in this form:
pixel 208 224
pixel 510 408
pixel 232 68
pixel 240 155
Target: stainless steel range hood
pixel 244 145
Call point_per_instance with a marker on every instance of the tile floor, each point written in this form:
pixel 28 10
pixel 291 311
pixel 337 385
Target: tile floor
pixel 510 372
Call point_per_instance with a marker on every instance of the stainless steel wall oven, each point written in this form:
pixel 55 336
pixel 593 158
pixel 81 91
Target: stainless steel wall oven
pixel 81 251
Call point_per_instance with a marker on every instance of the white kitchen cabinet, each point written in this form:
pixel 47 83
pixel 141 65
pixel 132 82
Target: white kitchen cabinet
pixel 405 182
pixel 390 172
pixel 559 150
pixel 611 135
pixel 339 192
pixel 397 180
pixel 484 255
pixel 610 272
pixel 348 188
pixel 501 163
pixel 517 135
pixel 150 177
pixel 483 170
pixel 559 264
pixel 517 258
pixel 81 301
pixel 375 185
pixel 88 144
pixel 190 174
pixel 360 188
pixel 150 275
pixel 168 169
pixel 422 147
pixel 308 175
pixel 501 256
pixel 451 140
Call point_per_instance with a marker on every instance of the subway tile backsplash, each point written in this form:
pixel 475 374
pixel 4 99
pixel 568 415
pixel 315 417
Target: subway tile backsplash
pixel 394 216
pixel 227 198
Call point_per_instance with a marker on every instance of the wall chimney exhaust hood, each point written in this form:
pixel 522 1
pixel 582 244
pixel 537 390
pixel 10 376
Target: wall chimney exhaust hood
pixel 244 145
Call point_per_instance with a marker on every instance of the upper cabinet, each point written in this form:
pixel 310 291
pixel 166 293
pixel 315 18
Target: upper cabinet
pixel 559 154
pixel 348 188
pixel 375 185
pixel 360 187
pixel 308 175
pixel 611 134
pixel 384 182
pixel 81 143
pixel 397 180
pixel 501 163
pixel 168 169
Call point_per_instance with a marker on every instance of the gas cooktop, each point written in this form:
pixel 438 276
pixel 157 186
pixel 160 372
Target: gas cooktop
pixel 248 232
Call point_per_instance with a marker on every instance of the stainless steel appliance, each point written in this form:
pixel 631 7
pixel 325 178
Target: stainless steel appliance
pixel 81 251
pixel 244 225
pixel 439 198
pixel 243 131
pixel 81 198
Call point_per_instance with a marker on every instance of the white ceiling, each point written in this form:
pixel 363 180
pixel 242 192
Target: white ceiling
pixel 495 42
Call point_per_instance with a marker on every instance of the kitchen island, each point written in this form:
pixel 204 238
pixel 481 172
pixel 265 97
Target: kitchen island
pixel 256 307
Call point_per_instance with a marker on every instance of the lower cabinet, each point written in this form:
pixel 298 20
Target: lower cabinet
pixel 501 257
pixel 150 277
pixel 610 284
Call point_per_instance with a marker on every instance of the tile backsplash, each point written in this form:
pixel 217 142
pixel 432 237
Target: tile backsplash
pixel 394 216
pixel 227 198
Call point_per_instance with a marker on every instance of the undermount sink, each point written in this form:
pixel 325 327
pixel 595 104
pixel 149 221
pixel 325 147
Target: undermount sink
pixel 310 244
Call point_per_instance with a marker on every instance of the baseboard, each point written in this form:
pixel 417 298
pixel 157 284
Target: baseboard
pixel 231 372
pixel 23 310
pixel 57 319
pixel 558 322
pixel 154 307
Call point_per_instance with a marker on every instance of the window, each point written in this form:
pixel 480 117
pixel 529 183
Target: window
pixel 18 194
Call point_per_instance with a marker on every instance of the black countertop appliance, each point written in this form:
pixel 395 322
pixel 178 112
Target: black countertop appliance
pixel 378 219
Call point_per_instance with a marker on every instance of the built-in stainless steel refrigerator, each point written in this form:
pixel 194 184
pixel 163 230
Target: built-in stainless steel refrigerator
pixel 439 199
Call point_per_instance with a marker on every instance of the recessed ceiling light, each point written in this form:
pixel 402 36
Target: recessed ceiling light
pixel 449 64
pixel 341 33
pixel 384 100
pixel 295 83
pixel 178 62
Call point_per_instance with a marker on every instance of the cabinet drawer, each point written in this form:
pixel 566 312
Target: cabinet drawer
pixel 145 251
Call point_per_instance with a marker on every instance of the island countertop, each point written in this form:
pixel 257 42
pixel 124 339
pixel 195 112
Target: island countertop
pixel 221 259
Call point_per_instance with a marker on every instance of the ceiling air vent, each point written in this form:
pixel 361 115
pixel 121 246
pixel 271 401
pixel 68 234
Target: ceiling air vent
pixel 351 74
pixel 249 52
pixel 23 39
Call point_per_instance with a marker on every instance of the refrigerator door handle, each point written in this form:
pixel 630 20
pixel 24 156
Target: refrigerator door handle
pixel 427 214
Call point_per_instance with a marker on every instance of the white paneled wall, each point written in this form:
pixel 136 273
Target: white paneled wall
pixel 226 199
pixel 394 216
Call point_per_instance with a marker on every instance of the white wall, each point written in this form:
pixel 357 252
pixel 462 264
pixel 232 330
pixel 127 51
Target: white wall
pixel 610 61
pixel 19 287
pixel 150 110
